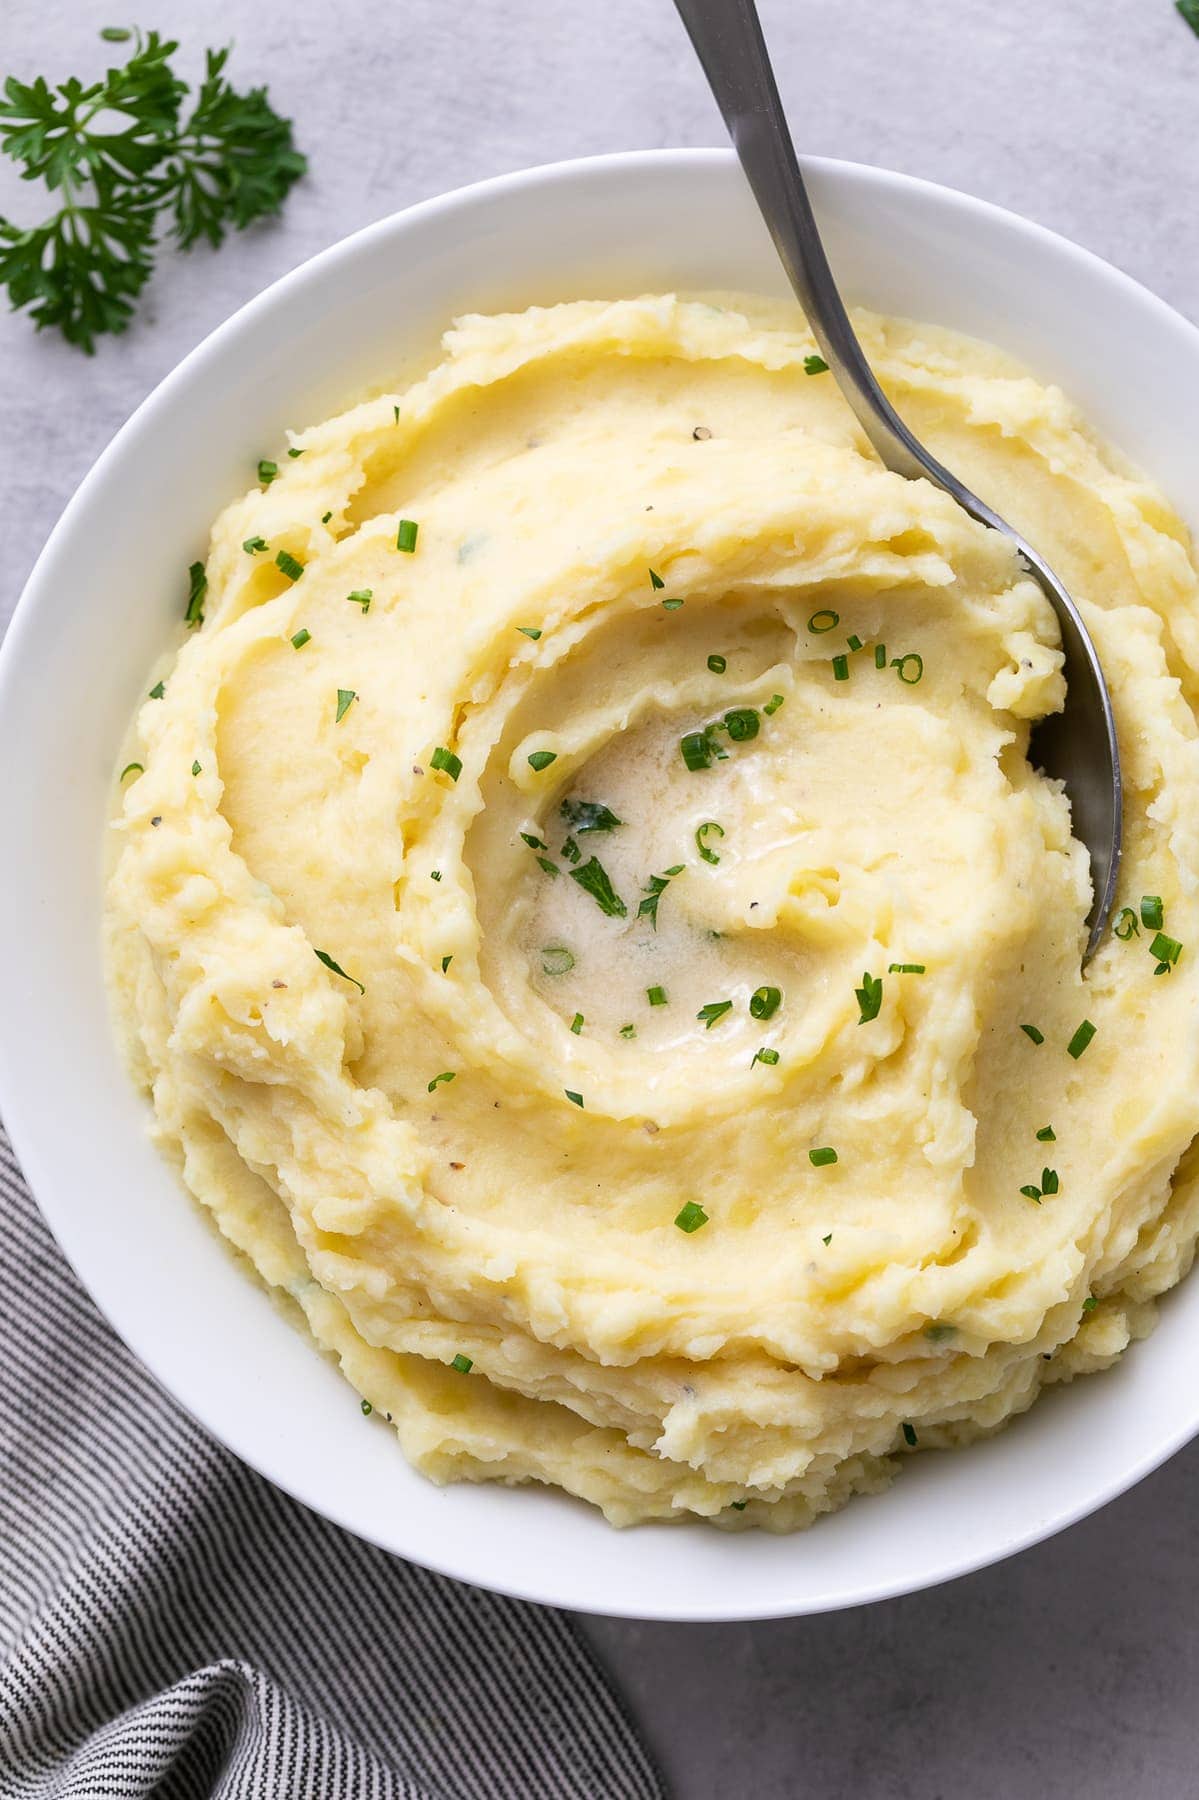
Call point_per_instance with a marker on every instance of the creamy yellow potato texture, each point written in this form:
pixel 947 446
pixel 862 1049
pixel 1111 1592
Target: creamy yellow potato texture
pixel 597 944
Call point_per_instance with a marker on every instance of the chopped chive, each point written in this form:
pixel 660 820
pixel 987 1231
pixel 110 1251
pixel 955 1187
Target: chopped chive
pixel 671 605
pixel 291 566
pixel 656 996
pixel 815 365
pixel 772 705
pixel 869 997
pixel 691 1217
pixel 737 1505
pixel 655 580
pixel 589 815
pixel 1089 1304
pixel 655 888
pixel 824 620
pixel 325 517
pixel 840 668
pixel 549 867
pixel 715 1009
pixel 593 878
pixel 406 535
pixel 905 969
pixel 129 769
pixel 697 749
pixel 116 34
pixel 938 1332
pixel 462 1365
pixel 827 1238
pixel 345 699
pixel 445 760
pixel 1030 1031
pixel 1080 1040
pixel 556 959
pixel 628 1031
pixel 197 587
pixel 1166 950
pixel 575 1099
pixel 302 637
pixel 541 759
pixel 1049 1181
pixel 294 453
pixel 900 664
pixel 1032 1193
pixel 909 1434
pixel 1126 924
pixel 1153 913
pixel 880 656
pixel 322 956
pixel 823 1157
pixel 577 1023
pixel 718 664
pixel 253 545
pixel 195 768
pixel 765 1055
pixel 701 832
pixel 395 415
pixel 447 1075
pixel 446 961
pixel 434 874
pixel 854 641
pixel 534 843
pixel 764 1002
pixel 267 472
pixel 362 597
pixel 1047 1135
pixel 367 1409
pixel 158 690
pixel 530 631
pixel 742 724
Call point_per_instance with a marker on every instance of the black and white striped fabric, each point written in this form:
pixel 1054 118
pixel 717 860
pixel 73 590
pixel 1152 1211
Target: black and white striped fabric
pixel 175 1627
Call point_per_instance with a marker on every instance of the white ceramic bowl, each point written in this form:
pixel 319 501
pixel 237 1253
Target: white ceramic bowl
pixel 105 599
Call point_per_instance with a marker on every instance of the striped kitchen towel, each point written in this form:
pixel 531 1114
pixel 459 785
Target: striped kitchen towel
pixel 173 1626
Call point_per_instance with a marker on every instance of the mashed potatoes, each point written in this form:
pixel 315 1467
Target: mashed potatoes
pixel 594 939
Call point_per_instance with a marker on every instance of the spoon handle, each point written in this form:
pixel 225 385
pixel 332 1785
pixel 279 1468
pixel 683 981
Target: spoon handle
pixel 728 41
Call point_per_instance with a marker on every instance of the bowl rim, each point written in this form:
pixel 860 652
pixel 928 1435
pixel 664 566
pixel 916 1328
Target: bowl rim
pixel 25 1137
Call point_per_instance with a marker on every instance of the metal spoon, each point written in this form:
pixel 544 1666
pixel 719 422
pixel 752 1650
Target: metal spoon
pixel 1078 745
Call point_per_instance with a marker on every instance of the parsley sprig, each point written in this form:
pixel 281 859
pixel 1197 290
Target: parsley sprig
pixel 119 154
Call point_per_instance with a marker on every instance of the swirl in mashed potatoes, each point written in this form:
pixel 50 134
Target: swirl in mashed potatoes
pixel 594 937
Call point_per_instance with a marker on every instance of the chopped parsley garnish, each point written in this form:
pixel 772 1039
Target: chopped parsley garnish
pixel 592 877
pixel 267 472
pixel 1089 1304
pixel 446 1075
pixel 765 1055
pixel 1032 1192
pixel 1047 1135
pixel 195 768
pixel 905 969
pixel 345 699
pixel 742 724
pixel 541 759
pixel 462 1365
pixel 446 961
pixel 1153 913
pixel 556 959
pixel 827 1239
pixel 715 1009
pixel 628 1031
pixel 1080 1040
pixel 294 453
pixel 575 1099
pixel 322 956
pixel 1188 10
pixel 655 888
pixel 671 605
pixel 824 620
pixel 815 365
pixel 1030 1031
pixel 130 768
pixel 543 862
pixel 1126 924
pixel 291 565
pixel 701 832
pixel 655 580
pixel 158 690
pixel 570 851
pixel 406 535
pixel 656 996
pixel 718 664
pixel 823 1157
pixel 253 545
pixel 197 587
pixel 434 874
pixel 840 668
pixel 530 631
pixel 577 1023
pixel 912 662
pixel 691 1217
pixel 589 815
pixel 362 597
pixel 764 1002
pixel 302 637
pixel 445 760
pixel 1049 1181
pixel 909 1434
pixel 1166 950
pixel 880 656
pixel 869 997
pixel 534 843
pixel 772 705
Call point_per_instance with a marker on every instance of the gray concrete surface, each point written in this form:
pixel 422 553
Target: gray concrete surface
pixel 1075 1669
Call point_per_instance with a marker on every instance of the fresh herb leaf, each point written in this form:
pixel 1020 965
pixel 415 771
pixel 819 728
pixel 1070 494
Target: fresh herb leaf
pixel 529 631
pixel 715 1009
pixel 691 1217
pixel 195 768
pixel 1080 1040
pixel 701 832
pixel 445 760
pixel 656 996
pixel 322 956
pixel 1047 1135
pixel 1189 10
pixel 253 545
pixel 592 877
pixel 1049 1181
pixel 267 471
pixel 197 588
pixel 1089 1304
pixel 570 851
pixel 765 1055
pixel 541 759
pixel 577 1023
pixel 362 597
pixel 446 961
pixel 655 888
pixel 815 365
pixel 575 1099
pixel 158 690
pixel 534 843
pixel 909 1435
pixel 655 580
pixel 869 997
pixel 447 1075
pixel 1030 1031
pixel 628 1031
pixel 588 815
pixel 345 699
pixel 1166 951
